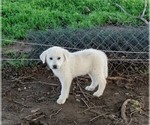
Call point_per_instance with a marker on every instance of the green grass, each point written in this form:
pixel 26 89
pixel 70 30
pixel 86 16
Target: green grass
pixel 20 16
pixel 20 59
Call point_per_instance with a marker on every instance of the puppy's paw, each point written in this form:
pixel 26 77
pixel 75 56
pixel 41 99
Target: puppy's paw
pixel 97 94
pixel 89 88
pixel 61 101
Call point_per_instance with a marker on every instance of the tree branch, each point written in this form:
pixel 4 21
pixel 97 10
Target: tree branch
pixel 117 5
pixel 141 17
pixel 144 10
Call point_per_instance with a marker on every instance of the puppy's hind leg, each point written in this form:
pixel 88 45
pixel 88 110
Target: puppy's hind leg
pixel 93 84
pixel 101 80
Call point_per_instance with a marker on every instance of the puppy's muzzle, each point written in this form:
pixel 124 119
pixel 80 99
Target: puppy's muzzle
pixel 54 66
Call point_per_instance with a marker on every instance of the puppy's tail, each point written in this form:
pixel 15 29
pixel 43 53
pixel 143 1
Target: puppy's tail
pixel 106 68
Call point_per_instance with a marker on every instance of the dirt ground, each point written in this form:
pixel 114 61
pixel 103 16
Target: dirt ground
pixel 29 98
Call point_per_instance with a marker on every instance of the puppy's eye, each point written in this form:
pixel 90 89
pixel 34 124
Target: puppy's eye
pixel 58 58
pixel 51 58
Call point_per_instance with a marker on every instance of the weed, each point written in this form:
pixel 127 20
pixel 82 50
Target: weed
pixel 19 16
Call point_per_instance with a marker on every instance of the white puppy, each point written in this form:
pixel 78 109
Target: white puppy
pixel 66 65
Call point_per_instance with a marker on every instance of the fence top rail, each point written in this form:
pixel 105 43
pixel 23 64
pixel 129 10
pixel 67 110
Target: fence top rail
pixel 37 44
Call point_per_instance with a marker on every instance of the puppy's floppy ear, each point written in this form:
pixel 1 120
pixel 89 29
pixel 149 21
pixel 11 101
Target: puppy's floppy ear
pixel 66 55
pixel 43 57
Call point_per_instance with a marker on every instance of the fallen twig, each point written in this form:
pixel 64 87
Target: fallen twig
pixel 99 115
pixel 32 118
pixel 116 78
pixel 23 77
pixel 46 83
pixel 123 110
pixel 39 117
pixel 85 102
pixel 129 121
pixel 82 91
pixel 20 104
pixel 89 108
pixel 93 111
pixel 75 122
pixel 55 113
pixel 85 78
pixel 19 79
pixel 91 120
pixel 35 110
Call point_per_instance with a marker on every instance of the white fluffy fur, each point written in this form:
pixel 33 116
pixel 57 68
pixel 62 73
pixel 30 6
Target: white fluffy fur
pixel 69 65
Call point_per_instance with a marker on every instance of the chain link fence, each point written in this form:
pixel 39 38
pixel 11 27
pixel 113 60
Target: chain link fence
pixel 127 47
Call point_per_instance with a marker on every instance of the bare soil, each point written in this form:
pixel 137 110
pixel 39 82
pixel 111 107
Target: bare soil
pixel 29 98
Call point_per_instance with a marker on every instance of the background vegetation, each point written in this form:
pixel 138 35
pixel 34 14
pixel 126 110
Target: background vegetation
pixel 20 16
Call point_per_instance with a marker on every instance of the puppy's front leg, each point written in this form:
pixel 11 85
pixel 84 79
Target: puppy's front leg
pixel 65 88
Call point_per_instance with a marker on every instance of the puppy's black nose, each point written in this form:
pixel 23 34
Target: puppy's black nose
pixel 54 66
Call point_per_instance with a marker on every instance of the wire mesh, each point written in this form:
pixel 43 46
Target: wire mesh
pixel 126 47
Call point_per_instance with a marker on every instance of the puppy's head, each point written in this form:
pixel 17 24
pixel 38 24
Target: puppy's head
pixel 55 57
